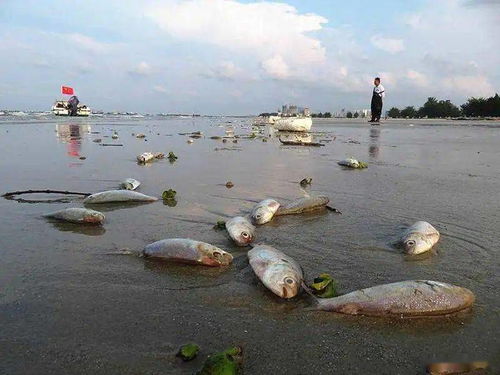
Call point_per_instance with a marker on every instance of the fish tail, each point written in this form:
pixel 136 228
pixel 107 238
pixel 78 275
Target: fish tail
pixel 333 209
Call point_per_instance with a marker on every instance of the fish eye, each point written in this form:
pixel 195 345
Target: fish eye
pixel 258 216
pixel 289 281
pixel 216 254
pixel 410 243
pixel 244 234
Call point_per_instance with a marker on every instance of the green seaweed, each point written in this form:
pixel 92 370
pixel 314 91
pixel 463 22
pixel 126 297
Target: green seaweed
pixel 324 286
pixel 221 224
pixel 169 194
pixel 227 362
pixel 362 165
pixel 188 352
pixel 172 157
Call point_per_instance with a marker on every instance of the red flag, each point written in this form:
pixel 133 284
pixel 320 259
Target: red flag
pixel 67 90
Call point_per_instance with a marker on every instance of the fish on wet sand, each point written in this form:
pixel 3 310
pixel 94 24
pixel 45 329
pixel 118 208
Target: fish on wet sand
pixel 264 211
pixel 146 157
pixel 130 184
pixel 184 250
pixel 77 215
pixel 411 298
pixel 352 163
pixel 112 196
pixel 419 238
pixel 302 205
pixel 278 272
pixel 241 230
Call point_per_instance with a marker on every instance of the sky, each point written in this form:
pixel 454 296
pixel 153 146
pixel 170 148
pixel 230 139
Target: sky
pixel 245 57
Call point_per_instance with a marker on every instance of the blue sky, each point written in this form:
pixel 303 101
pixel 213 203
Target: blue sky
pixel 244 57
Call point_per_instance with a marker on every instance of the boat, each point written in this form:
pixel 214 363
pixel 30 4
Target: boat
pixel 60 108
pixel 293 124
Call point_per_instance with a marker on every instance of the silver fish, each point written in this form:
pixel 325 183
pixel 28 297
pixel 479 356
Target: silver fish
pixel 130 184
pixel 278 272
pixel 350 163
pixel 78 215
pixel 185 250
pixel 111 196
pixel 420 237
pixel 241 230
pixel 404 298
pixel 302 205
pixel 264 211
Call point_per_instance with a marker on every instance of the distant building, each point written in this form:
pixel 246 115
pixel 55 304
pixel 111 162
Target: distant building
pixel 306 112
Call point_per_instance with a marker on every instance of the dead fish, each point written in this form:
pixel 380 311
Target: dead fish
pixel 404 298
pixel 78 215
pixel 302 205
pixel 264 211
pixel 241 230
pixel 278 272
pixel 185 250
pixel 130 184
pixel 118 196
pixel 146 157
pixel 420 237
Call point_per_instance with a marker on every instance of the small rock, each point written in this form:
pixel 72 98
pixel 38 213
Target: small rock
pixel 229 184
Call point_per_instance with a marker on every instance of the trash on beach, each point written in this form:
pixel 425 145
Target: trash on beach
pixel 229 184
pixel 324 286
pixel 188 352
pixel 130 184
pixel 353 163
pixel 221 224
pixel 306 181
pixel 169 194
pixel 227 362
pixel 172 157
pixel 140 135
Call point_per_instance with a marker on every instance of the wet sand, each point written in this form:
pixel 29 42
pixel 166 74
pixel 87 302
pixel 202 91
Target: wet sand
pixel 67 307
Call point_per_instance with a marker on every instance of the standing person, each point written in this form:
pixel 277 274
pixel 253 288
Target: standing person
pixel 378 94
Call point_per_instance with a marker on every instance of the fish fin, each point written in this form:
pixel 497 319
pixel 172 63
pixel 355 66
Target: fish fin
pixel 333 209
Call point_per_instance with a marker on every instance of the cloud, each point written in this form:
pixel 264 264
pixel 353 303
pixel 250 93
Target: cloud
pixel 276 67
pixel 417 78
pixel 88 43
pixel 225 70
pixel 258 29
pixel 160 89
pixel 474 85
pixel 142 69
pixel 387 44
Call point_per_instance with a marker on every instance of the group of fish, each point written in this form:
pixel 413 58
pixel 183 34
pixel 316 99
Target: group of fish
pixel 280 273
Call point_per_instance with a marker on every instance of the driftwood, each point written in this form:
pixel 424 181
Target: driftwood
pixel 300 143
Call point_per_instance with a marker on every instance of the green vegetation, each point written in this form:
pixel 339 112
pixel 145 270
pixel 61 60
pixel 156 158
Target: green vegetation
pixel 433 108
pixel 188 352
pixel 348 114
pixel 226 363
pixel 322 115
pixel 169 194
pixel 324 286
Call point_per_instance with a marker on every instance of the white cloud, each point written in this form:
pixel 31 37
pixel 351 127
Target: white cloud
pixel 160 89
pixel 142 69
pixel 225 70
pixel 477 85
pixel 276 67
pixel 387 44
pixel 88 43
pixel 417 78
pixel 258 29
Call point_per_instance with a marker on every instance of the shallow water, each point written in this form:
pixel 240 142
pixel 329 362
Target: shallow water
pixel 67 306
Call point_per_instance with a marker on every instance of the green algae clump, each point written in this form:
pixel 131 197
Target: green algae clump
pixel 227 362
pixel 324 286
pixel 188 352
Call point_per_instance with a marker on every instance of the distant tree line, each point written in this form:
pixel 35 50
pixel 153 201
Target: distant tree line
pixel 322 115
pixel 433 108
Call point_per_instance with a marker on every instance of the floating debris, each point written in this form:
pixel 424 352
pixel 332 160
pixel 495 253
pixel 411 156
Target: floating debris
pixel 306 181
pixel 172 157
pixel 169 194
pixel 188 352
pixel 130 184
pixel 226 363
pixel 229 184
pixel 324 286
pixel 353 163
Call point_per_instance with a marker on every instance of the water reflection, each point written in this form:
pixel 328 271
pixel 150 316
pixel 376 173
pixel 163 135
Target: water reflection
pixel 88 230
pixel 72 134
pixel 295 137
pixel 374 145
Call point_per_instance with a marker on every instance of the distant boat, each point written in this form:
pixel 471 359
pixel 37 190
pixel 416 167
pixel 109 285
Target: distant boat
pixel 293 124
pixel 60 108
